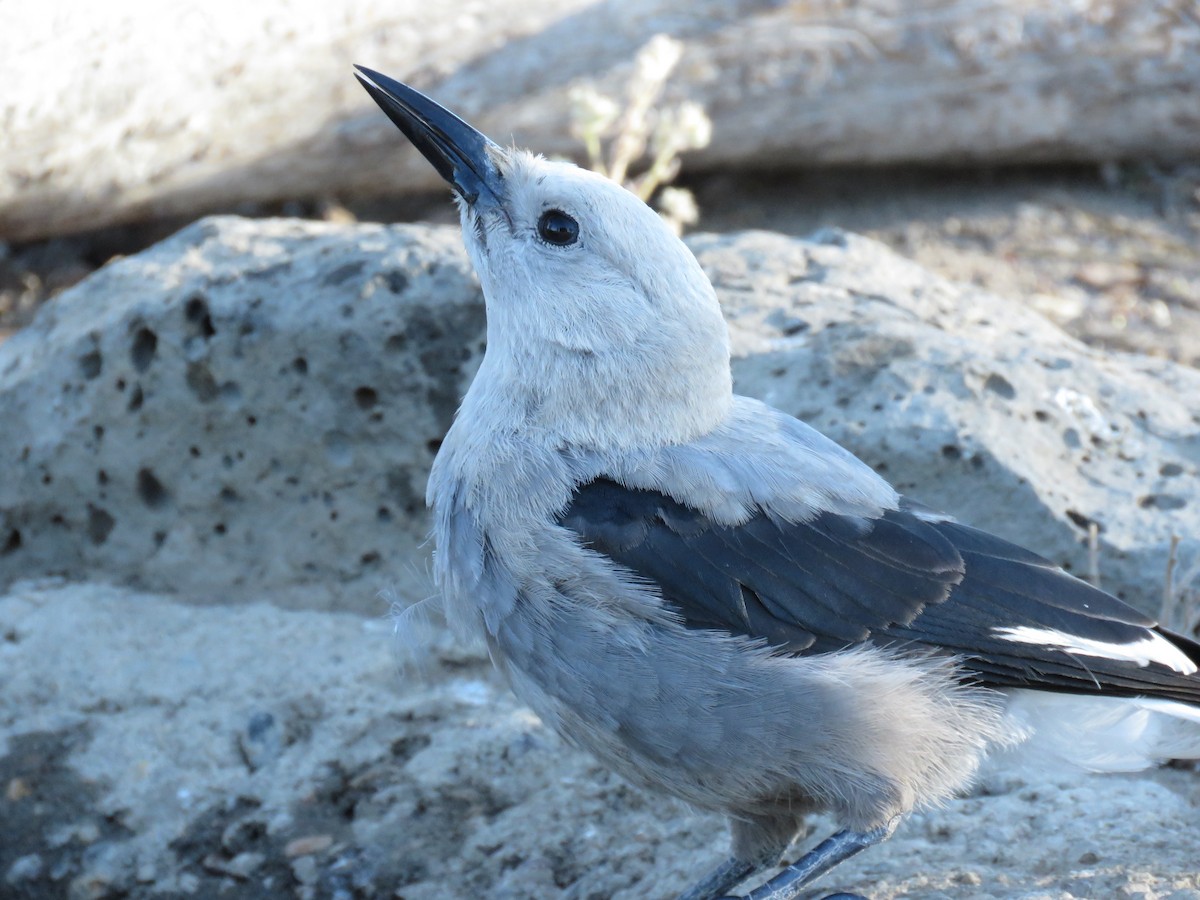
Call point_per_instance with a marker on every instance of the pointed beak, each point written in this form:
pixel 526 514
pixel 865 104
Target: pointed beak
pixel 460 154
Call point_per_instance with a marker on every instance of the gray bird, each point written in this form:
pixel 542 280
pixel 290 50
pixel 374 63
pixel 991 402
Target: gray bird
pixel 709 595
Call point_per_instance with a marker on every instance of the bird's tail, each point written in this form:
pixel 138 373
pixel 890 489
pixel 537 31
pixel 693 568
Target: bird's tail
pixel 1100 734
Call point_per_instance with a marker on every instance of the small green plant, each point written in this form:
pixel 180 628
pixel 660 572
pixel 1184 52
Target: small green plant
pixel 639 127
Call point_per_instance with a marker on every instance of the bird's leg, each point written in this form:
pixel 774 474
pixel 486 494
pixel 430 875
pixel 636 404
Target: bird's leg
pixel 759 840
pixel 788 884
pixel 721 880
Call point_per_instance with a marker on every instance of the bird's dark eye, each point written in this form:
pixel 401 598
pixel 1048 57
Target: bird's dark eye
pixel 556 227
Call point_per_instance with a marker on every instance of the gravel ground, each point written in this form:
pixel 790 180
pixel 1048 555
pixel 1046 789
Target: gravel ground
pixel 164 758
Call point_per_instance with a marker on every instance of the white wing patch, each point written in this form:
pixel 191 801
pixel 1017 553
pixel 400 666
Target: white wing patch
pixel 1153 648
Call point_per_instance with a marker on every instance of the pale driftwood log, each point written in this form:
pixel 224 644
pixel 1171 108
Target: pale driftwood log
pixel 131 110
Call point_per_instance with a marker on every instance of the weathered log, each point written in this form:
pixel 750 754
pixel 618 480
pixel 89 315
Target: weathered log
pixel 133 110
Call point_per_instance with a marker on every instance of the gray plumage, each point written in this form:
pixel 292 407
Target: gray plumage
pixel 607 364
pixel 716 719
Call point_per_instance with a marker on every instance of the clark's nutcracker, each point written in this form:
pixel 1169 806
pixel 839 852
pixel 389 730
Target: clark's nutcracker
pixel 710 596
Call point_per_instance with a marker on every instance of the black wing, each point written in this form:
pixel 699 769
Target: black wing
pixel 899 579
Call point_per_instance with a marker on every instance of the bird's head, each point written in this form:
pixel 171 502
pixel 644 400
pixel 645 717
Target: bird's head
pixel 593 304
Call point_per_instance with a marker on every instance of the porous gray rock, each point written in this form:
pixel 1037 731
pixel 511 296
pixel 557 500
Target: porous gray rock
pixel 246 406
pixel 250 408
pixel 971 403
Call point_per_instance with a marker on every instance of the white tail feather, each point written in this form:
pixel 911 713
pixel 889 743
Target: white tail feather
pixel 1100 734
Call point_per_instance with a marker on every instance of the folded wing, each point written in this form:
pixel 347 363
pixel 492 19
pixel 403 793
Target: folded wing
pixel 904 578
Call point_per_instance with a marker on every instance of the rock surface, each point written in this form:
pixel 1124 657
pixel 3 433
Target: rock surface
pixel 245 406
pixel 969 403
pixel 204 105
pixel 250 409
pixel 253 752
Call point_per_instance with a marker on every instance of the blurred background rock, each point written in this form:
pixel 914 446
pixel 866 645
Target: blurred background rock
pixel 1047 151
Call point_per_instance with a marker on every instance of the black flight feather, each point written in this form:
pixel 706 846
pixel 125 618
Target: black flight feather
pixel 906 579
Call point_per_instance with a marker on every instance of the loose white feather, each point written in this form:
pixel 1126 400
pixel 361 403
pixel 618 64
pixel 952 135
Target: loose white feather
pixel 1099 734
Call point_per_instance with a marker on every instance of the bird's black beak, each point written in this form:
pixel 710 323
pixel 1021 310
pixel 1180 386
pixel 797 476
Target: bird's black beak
pixel 462 155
